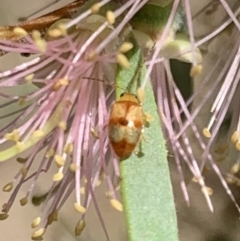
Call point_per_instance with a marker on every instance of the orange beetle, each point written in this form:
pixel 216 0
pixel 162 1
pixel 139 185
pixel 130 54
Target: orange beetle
pixel 126 124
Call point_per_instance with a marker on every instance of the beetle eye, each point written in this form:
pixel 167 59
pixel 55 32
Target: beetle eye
pixel 122 94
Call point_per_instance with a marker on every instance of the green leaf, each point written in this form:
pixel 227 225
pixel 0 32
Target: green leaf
pixel 152 18
pixel 180 72
pixel 146 186
pixel 162 3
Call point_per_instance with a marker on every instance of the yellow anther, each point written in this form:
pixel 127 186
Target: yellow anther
pixel 50 153
pixel 59 160
pixel 73 167
pixel 54 33
pixel 235 168
pixel 79 208
pixel 123 61
pixel 5 208
pixel 94 133
pixel 38 133
pixel 117 205
pixel 21 160
pixel 42 45
pixel 39 233
pixel 237 145
pixel 148 117
pixel 196 70
pixel 207 133
pixel 20 32
pixel 23 201
pixel 36 35
pixel 234 137
pixel 68 148
pixel 207 190
pixel 63 29
pixel 125 47
pixel 99 182
pixel 24 171
pixel 91 56
pixel 60 83
pixel 194 179
pixel 230 180
pixel 29 78
pixel 64 81
pixel 80 227
pixel 95 8
pixel 63 125
pixel 36 222
pixel 110 17
pixel 13 136
pixel 57 86
pixel 3 216
pixel 57 29
pixel 57 177
pixel 8 187
pixel 53 216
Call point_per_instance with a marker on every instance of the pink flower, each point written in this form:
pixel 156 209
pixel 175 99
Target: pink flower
pixel 67 116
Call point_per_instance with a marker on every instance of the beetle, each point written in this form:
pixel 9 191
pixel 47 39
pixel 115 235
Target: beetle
pixel 126 124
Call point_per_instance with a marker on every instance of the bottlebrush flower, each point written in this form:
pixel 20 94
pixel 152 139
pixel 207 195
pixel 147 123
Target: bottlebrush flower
pixel 67 116
pixel 189 139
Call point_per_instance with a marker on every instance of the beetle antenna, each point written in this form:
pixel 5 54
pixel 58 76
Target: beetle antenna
pixel 105 82
pixel 137 73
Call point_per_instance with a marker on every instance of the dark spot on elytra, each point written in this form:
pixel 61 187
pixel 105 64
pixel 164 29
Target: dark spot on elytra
pixel 123 121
